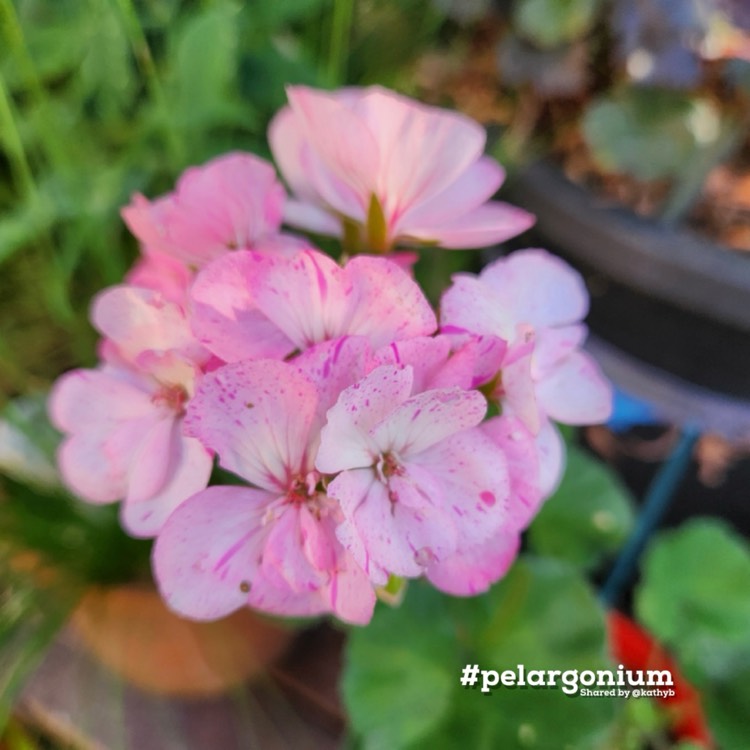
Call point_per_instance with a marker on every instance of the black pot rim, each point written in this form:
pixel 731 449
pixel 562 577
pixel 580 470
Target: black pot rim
pixel 662 261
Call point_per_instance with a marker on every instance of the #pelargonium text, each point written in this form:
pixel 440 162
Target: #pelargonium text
pixel 349 419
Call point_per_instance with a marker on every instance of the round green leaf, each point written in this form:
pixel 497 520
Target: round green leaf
pixel 551 23
pixel 695 596
pixel 648 133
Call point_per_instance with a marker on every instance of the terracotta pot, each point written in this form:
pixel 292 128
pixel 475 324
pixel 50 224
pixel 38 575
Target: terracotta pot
pixel 131 631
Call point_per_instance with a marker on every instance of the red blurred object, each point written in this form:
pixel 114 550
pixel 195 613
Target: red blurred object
pixel 636 649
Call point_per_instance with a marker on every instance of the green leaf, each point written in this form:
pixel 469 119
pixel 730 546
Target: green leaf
pixel 402 686
pixel 551 23
pixel 649 133
pixel 588 517
pixel 702 610
pixel 695 596
pixel 400 672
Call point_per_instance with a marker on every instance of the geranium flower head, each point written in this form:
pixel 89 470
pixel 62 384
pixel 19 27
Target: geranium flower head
pixel 380 169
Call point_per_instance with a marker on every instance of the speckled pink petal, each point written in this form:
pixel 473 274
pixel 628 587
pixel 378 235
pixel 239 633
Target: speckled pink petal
pixel 472 571
pixel 257 417
pixel 207 556
pixel 521 454
pixel 387 305
pixel 473 475
pixel 469 306
pixel 427 418
pixel 345 440
pixel 226 319
pixel 397 538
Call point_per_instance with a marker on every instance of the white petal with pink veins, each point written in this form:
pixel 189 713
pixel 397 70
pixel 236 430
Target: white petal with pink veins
pixel 345 441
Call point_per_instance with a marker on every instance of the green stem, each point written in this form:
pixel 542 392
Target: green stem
pixel 19 163
pixel 10 30
pixel 145 61
pixel 341 29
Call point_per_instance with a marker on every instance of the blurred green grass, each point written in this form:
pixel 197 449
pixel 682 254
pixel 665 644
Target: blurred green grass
pixel 102 98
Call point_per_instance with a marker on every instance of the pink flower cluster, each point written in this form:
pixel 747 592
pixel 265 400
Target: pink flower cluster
pixel 350 421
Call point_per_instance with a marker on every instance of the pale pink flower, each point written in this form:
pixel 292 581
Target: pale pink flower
pixel 232 202
pixel 274 546
pixel 254 304
pixel 419 481
pixel 535 302
pixel 381 170
pixel 123 421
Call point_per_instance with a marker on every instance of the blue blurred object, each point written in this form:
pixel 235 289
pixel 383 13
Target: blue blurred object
pixel 657 40
pixel 629 411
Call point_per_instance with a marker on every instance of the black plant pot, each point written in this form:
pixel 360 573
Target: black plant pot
pixel 670 311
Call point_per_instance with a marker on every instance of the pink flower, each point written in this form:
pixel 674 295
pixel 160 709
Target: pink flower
pixel 380 169
pixel 534 302
pixel 123 421
pixel 252 304
pixel 419 482
pixel 232 202
pixel 274 547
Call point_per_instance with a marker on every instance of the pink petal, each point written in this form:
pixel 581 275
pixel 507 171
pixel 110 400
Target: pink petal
pixel 473 475
pixel 469 305
pixel 207 555
pixel 519 394
pixel 396 538
pixel 388 305
pixel 422 149
pixel 162 273
pixel 84 400
pixel 345 441
pixel 478 183
pixel 551 448
pixel 333 366
pixel 535 287
pixel 522 457
pixel 489 224
pixel 188 472
pixel 472 571
pixel 142 320
pixel 340 138
pixel 553 345
pixel 257 417
pixel 576 392
pixel 226 319
pixel 427 418
pixel 309 217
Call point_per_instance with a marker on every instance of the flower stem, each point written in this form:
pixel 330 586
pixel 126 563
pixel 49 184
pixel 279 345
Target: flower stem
pixel 145 61
pixel 657 500
pixel 341 28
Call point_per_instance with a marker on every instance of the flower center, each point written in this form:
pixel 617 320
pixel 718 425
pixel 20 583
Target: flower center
pixel 173 397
